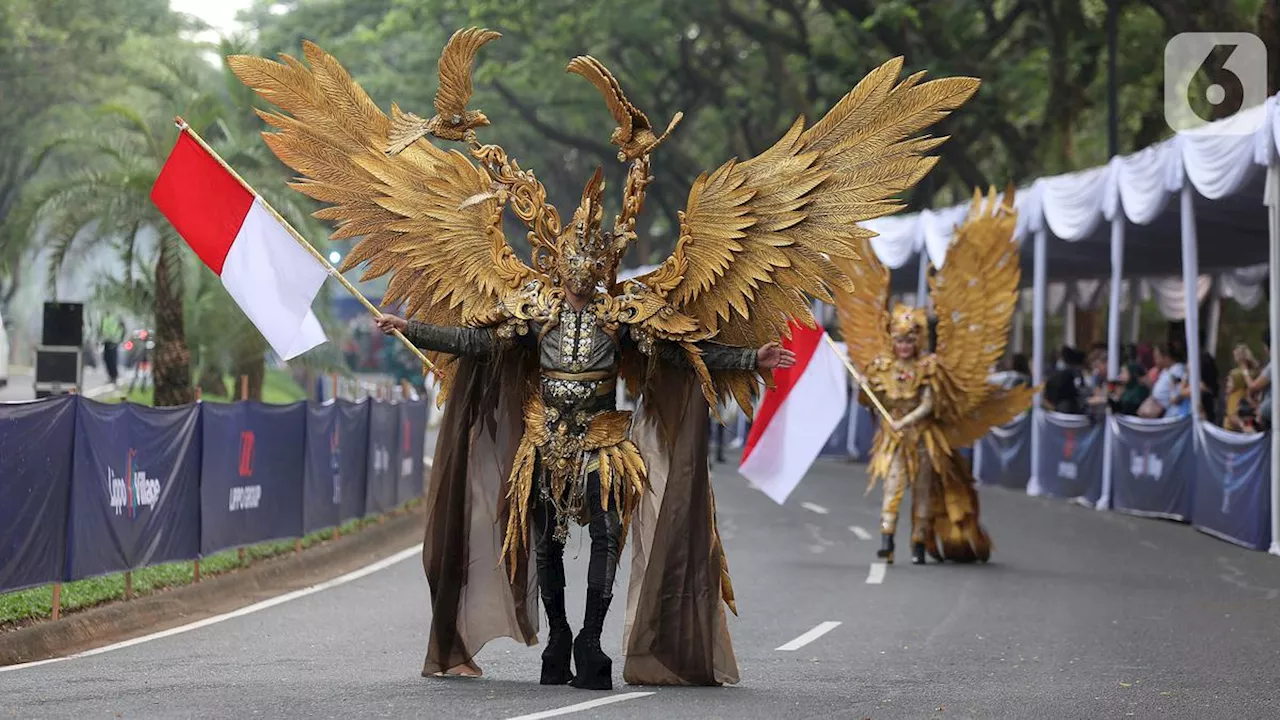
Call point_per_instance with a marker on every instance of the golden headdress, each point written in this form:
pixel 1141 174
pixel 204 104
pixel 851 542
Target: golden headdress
pixel 907 322
pixel 587 254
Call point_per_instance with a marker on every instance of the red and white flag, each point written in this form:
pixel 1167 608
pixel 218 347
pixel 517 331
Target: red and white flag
pixel 797 416
pixel 270 276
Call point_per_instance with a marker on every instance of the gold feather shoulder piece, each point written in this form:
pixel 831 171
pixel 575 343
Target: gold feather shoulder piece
pixel 974 296
pixel 426 216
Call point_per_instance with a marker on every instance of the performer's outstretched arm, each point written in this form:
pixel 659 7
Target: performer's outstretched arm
pixel 438 338
pixel 726 357
pixel 714 355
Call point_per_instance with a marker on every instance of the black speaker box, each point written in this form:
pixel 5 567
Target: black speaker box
pixel 63 324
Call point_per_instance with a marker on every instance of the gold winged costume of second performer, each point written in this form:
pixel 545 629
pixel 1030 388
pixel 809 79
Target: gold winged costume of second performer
pixel 940 401
pixel 529 354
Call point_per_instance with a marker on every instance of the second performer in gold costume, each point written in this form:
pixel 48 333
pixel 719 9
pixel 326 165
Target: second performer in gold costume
pixel 939 402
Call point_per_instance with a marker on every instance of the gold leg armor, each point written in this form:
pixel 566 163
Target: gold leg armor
pixel 895 483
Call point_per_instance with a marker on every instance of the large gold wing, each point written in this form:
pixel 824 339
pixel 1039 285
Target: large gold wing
pixel 863 314
pixel 758 238
pixel 974 296
pixel 426 216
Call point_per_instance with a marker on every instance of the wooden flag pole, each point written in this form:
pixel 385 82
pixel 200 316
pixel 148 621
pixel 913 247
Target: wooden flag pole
pixel 862 384
pixel 333 271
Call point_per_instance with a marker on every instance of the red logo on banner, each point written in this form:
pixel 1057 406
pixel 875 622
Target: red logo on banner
pixel 1069 446
pixel 246 453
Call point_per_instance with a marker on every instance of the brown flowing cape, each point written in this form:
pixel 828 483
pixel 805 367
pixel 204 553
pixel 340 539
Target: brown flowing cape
pixel 675 630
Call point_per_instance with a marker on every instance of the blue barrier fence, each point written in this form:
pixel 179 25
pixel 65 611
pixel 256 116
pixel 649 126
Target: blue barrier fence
pixel 88 488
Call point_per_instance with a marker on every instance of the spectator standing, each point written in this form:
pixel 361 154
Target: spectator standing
pixel 111 331
pixel 1065 390
pixel 1128 394
pixel 1167 396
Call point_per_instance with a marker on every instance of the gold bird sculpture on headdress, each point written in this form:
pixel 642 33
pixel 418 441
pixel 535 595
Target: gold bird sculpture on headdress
pixel 634 135
pixel 452 120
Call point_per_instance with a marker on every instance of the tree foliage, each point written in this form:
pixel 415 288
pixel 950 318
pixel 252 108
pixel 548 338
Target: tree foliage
pixel 741 70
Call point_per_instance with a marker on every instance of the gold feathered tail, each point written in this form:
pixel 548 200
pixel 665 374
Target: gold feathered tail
pixel 957 534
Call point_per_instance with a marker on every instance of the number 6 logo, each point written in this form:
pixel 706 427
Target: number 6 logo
pixel 1215 75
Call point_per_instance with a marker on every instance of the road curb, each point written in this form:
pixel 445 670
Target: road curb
pixel 224 593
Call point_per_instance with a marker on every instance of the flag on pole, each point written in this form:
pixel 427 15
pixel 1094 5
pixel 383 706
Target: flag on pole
pixel 271 277
pixel 797 415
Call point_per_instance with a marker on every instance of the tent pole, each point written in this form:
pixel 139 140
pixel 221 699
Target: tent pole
pixel 1190 289
pixel 1135 310
pixel 922 281
pixel 1037 354
pixel 1273 215
pixel 1215 323
pixel 1113 348
pixel 1069 324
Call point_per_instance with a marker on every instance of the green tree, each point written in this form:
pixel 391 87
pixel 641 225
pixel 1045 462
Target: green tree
pixel 56 56
pixel 105 198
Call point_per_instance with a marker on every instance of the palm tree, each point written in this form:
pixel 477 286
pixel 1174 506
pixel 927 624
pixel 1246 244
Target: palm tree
pixel 105 198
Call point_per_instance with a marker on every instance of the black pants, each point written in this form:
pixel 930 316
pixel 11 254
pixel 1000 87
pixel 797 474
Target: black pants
pixel 110 358
pixel 605 530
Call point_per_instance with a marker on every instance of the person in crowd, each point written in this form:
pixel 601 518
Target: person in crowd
pixel 1147 358
pixel 1127 394
pixel 1246 367
pixel 112 334
pixel 1011 372
pixel 1169 397
pixel 1065 391
pixel 1095 382
pixel 1129 354
pixel 1260 385
pixel 1210 387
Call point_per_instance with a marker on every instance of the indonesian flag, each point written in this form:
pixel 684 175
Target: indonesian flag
pixel 797 416
pixel 270 276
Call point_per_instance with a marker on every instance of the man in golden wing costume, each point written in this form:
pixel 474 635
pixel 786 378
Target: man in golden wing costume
pixel 939 401
pixel 529 355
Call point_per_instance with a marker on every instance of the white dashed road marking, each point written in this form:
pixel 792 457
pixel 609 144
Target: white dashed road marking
pixel 875 575
pixel 810 636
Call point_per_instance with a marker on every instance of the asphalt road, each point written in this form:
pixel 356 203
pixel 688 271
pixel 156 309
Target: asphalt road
pixel 1081 614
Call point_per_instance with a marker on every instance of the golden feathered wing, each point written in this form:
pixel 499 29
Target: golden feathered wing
pixel 863 314
pixel 759 238
pixel 974 296
pixel 427 216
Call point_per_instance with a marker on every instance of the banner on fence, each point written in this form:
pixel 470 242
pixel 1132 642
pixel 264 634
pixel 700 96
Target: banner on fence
pixel 1006 455
pixel 35 489
pixel 135 488
pixel 1070 456
pixel 252 474
pixel 337 449
pixel 1152 466
pixel 380 485
pixel 410 474
pixel 1232 492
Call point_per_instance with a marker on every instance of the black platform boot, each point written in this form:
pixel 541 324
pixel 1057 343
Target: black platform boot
pixel 559 650
pixel 886 548
pixel 917 553
pixel 595 669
